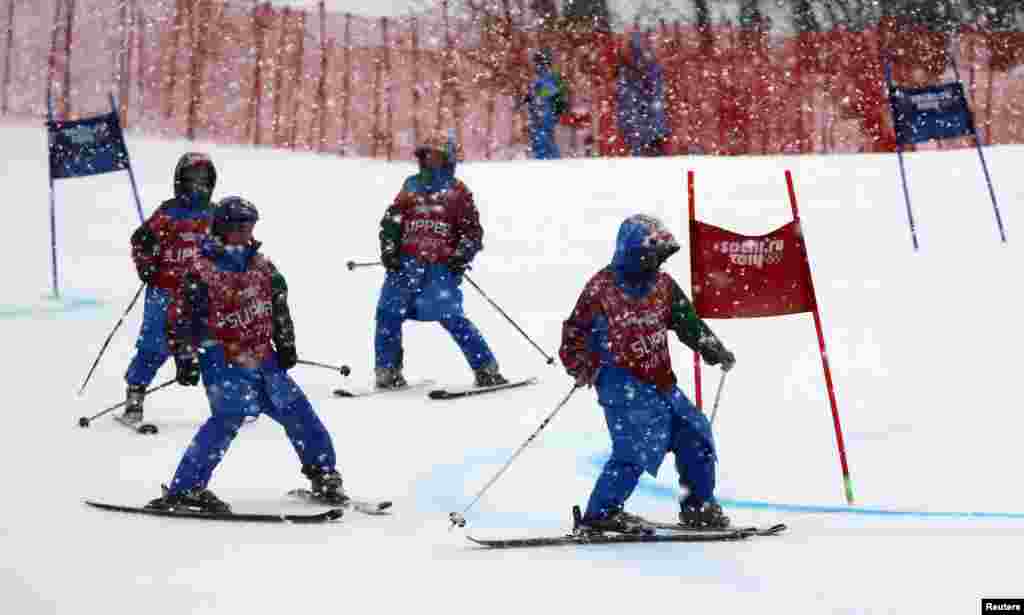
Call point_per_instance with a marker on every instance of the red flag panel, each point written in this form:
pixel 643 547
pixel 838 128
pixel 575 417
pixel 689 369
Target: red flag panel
pixel 740 276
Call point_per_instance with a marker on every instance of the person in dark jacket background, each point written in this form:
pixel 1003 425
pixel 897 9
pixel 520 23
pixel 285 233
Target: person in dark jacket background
pixel 641 100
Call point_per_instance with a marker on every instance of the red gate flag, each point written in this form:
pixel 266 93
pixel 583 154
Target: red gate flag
pixel 740 276
pixel 736 276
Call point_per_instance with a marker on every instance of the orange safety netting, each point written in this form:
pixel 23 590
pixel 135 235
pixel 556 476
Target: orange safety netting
pixel 242 72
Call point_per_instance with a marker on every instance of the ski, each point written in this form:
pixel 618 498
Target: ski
pixel 367 391
pixel 140 427
pixel 752 530
pixel 610 538
pixel 457 392
pixel 647 531
pixel 367 507
pixel 323 517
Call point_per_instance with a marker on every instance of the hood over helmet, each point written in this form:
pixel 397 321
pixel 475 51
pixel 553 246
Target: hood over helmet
pixel 642 245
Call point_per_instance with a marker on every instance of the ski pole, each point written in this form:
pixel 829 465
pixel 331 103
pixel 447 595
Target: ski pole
pixel 718 396
pixel 344 369
pixel 109 337
pixel 512 322
pixel 459 519
pixel 85 420
pixel 352 265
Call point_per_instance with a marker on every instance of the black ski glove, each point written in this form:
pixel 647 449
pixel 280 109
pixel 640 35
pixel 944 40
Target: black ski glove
pixel 457 263
pixel 287 357
pixel 188 370
pixel 714 353
pixel 391 260
pixel 147 273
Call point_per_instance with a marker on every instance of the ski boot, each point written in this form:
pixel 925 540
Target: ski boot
pixel 133 403
pixel 194 500
pixel 326 485
pixel 702 515
pixel 489 376
pixel 618 521
pixel 390 378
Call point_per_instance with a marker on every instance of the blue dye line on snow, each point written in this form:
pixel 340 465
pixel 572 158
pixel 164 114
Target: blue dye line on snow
pixel 56 307
pixel 663 491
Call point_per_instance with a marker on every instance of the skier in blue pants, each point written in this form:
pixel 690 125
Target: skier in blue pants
pixel 616 340
pixel 230 322
pixel 162 249
pixel 428 238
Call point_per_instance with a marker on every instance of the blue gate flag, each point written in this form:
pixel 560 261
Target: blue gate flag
pixel 933 112
pixel 89 146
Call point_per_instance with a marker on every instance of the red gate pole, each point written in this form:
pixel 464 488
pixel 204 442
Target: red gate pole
pixel 847 482
pixel 693 294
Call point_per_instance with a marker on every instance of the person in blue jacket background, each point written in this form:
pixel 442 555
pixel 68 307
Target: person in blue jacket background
pixel 544 104
pixel 616 340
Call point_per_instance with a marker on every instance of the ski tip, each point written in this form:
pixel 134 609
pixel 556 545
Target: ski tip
pixel 483 543
pixel 438 394
pixel 342 393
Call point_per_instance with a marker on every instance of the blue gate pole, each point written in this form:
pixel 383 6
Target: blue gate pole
pixel 131 174
pixel 899 155
pixel 53 203
pixel 981 156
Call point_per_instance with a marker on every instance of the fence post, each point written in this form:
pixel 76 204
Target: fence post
pixel 172 63
pixel 389 118
pixel 299 81
pixel 140 38
pixel 278 77
pixel 51 73
pixel 346 109
pixel 7 56
pixel 414 24
pixel 321 88
pixel 68 35
pixel 124 62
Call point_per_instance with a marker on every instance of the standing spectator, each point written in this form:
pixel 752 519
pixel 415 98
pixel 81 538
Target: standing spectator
pixel 544 104
pixel 641 100
pixel 587 15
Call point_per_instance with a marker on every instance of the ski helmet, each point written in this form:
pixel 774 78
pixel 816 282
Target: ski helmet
pixel 191 168
pixel 232 211
pixel 437 140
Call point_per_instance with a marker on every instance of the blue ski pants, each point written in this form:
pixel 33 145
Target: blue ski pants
pixel 425 292
pixel 686 438
pixel 151 347
pixel 237 392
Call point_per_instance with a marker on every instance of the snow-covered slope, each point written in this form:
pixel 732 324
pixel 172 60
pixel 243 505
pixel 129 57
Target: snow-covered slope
pixel 923 346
